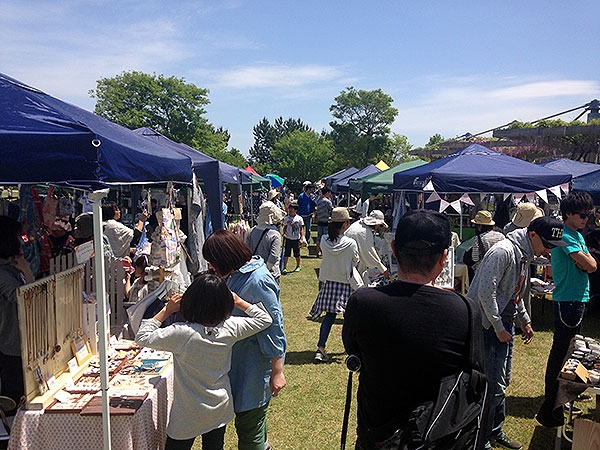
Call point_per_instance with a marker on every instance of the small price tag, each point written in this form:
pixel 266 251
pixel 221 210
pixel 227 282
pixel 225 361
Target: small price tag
pixel 51 381
pixel 72 366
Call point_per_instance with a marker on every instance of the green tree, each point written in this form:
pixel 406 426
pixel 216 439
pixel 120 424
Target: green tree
pixel 265 137
pixel 361 130
pixel 303 155
pixel 168 105
pixel 398 150
pixel 434 142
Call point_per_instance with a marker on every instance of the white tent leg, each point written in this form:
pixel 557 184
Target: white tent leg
pixel 97 197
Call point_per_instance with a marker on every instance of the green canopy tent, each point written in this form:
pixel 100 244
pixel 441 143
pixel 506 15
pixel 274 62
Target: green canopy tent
pixel 258 183
pixel 381 181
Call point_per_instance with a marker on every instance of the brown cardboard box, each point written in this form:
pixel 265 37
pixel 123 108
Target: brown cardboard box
pixel 579 374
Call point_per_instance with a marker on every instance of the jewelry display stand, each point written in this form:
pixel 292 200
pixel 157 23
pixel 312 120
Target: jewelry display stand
pixel 50 319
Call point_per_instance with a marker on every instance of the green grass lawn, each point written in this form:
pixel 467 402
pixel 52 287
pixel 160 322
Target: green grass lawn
pixel 308 413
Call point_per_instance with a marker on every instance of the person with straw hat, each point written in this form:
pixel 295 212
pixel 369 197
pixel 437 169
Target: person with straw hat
pixel 265 239
pixel 485 236
pixel 340 255
pixel 524 214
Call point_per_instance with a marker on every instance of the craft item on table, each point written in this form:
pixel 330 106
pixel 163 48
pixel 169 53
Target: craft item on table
pixel 125 405
pixel 126 354
pixel 135 385
pixel 125 344
pixel 130 367
pixel 94 366
pixel 65 402
pixel 153 366
pixel 85 384
pixel 149 353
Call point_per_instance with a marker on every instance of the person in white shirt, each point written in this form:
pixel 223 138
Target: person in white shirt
pixel 201 346
pixel 363 232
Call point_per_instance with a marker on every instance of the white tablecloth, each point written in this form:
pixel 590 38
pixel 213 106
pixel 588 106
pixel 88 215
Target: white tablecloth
pixel 145 430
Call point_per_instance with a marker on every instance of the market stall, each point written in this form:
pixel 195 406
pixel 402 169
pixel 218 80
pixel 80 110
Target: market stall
pixel 45 140
pixel 447 182
pixel 380 181
pixel 342 185
pixel 586 176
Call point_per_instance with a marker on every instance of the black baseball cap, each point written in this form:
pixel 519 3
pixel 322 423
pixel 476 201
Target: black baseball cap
pixel 423 232
pixel 549 229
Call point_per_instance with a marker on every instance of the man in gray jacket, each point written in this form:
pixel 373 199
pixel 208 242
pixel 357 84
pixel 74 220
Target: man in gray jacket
pixel 498 288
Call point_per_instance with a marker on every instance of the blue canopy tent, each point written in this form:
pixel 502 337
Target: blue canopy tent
pixel 43 139
pixel 478 169
pixel 338 176
pixel 586 176
pixel 342 185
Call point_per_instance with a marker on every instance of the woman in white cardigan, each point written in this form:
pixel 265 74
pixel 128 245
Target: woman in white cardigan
pixel 201 346
pixel 340 255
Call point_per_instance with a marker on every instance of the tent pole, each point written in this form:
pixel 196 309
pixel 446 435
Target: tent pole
pixel 101 311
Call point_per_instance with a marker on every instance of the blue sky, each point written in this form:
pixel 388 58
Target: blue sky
pixel 451 66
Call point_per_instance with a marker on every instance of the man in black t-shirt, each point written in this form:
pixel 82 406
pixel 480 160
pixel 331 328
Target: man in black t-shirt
pixel 408 334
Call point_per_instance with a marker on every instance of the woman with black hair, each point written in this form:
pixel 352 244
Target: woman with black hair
pixel 201 348
pixel 14 272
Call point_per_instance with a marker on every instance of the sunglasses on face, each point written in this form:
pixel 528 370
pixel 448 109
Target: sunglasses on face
pixel 547 245
pixel 583 215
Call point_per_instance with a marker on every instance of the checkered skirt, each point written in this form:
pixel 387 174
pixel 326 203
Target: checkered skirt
pixel 332 297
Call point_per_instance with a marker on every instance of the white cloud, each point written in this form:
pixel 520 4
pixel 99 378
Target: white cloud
pixel 276 76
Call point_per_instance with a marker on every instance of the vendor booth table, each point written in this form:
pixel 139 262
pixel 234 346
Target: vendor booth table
pixel 144 430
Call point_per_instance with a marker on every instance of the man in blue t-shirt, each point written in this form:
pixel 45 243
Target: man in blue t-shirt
pixel 570 267
pixel 306 207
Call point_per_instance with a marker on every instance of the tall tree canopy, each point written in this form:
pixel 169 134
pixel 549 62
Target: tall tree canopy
pixel 303 155
pixel 265 137
pixel 362 127
pixel 398 150
pixel 168 105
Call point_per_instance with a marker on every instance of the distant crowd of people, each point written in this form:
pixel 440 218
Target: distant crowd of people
pixel 233 311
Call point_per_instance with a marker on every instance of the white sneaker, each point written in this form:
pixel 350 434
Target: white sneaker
pixel 321 357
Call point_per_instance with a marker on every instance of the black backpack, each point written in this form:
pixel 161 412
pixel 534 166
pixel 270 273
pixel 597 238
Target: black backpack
pixel 457 419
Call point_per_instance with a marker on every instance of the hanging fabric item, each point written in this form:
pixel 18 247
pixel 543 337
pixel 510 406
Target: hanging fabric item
pixel 195 239
pixel 65 206
pixel 30 217
pixel 50 208
pixel 144 247
pixel 165 249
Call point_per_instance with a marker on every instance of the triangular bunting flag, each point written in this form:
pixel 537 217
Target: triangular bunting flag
pixel 443 205
pixel 565 188
pixel 543 194
pixel 505 196
pixel 433 197
pixel 456 205
pixel 556 191
pixel 467 200
pixel 530 197
pixel 429 186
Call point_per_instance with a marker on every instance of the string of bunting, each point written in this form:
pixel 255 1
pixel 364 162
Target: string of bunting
pixel 558 191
